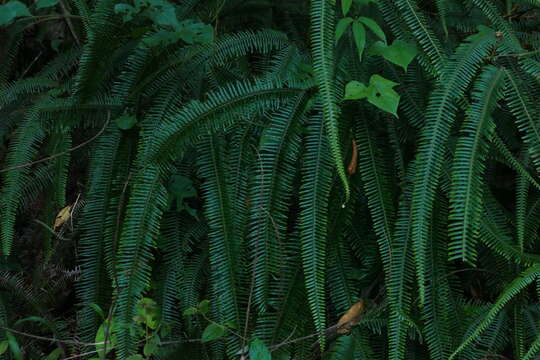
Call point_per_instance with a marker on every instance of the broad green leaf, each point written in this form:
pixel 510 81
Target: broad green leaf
pixel 55 354
pixel 204 306
pixel 40 4
pixel 98 310
pixel 230 325
pixel 341 26
pixel 105 333
pixel 213 332
pixel 346 6
pixel 190 311
pixel 126 121
pixel 373 26
pixel 381 94
pixel 38 319
pixel 14 346
pixel 3 346
pixel 12 10
pixel 400 52
pixel 150 349
pixel 359 33
pixel 147 313
pixel 258 350
pixel 355 90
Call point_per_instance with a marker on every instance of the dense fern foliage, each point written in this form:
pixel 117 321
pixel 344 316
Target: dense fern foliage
pixel 226 179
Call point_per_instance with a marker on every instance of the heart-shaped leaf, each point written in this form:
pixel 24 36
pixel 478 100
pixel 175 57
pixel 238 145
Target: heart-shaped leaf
pixel 213 332
pixel 355 90
pixel 12 10
pixel 381 94
pixel 40 4
pixel 400 52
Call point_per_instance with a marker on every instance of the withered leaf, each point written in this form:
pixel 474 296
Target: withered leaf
pixel 62 217
pixel 351 169
pixel 350 318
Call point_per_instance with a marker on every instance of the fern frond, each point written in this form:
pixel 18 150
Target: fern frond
pixel 92 249
pixel 139 232
pixel 515 287
pixel 314 196
pixel 422 32
pixel 401 277
pixel 377 187
pixel 224 252
pixel 23 150
pixel 522 107
pixel 275 172
pixel 469 165
pixel 440 115
pixel 223 107
pixel 322 43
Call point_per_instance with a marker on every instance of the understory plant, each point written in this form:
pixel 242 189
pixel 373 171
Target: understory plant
pixel 251 179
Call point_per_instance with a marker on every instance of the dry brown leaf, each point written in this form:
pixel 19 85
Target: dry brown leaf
pixel 350 318
pixel 62 217
pixel 351 169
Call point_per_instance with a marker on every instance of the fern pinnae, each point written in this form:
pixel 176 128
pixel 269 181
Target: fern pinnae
pixel 423 33
pixel 92 247
pixel 322 40
pixel 280 148
pixel 22 151
pixel 139 232
pixel 516 286
pixel 533 349
pixel 377 188
pixel 514 162
pixel 469 164
pixel 522 196
pixel 402 273
pixel 314 195
pixel 440 115
pixel 522 107
pixel 222 109
pixel 224 250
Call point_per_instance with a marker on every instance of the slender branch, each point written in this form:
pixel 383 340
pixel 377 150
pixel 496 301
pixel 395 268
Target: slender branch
pixel 54 156
pixel 44 338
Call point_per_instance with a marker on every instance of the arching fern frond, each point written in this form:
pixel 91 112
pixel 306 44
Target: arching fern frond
pixel 322 42
pixel 522 107
pixel 140 229
pixel 23 150
pixel 223 107
pixel 314 196
pixel 424 35
pixel 270 196
pixel 225 249
pixel 515 287
pixel 469 165
pixel 440 116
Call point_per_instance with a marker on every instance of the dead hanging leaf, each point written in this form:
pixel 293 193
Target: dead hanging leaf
pixel 350 318
pixel 351 169
pixel 62 217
